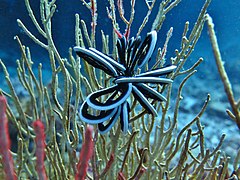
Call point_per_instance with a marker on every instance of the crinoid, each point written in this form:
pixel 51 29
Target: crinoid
pixel 132 54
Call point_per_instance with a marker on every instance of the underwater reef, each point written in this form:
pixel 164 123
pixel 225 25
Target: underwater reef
pixel 114 111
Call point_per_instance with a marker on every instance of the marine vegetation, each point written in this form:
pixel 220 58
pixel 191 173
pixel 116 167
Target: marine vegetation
pixel 124 91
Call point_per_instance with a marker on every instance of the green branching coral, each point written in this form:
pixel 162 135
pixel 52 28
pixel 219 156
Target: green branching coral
pixel 151 150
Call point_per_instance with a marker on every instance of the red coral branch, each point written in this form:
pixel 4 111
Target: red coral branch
pixel 118 33
pixel 140 173
pixel 85 154
pixel 108 166
pixel 7 159
pixel 40 146
pixel 94 16
pixel 127 32
pixel 121 176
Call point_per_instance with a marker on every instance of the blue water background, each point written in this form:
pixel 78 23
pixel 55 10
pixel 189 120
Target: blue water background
pixel 225 14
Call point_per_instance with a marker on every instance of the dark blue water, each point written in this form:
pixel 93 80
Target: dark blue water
pixel 225 15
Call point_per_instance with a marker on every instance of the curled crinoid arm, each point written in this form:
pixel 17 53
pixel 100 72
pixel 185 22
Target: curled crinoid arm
pixel 120 95
pixel 105 106
pixel 106 118
pixel 95 60
pixel 158 72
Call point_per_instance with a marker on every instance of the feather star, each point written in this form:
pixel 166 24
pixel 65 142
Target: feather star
pixel 132 54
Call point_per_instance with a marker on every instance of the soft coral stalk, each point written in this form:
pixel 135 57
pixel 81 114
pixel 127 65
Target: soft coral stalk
pixel 40 146
pixel 7 159
pixel 85 154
